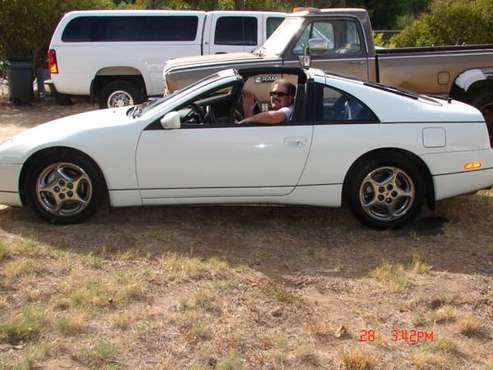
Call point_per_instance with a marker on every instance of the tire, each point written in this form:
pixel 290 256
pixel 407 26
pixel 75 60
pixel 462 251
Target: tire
pixel 484 102
pixel 386 192
pixel 120 93
pixel 70 181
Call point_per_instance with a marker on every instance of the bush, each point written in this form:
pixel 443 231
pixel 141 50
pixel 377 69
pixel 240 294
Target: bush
pixel 26 26
pixel 450 22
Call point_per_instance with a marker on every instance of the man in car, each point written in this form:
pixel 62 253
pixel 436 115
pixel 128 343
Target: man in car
pixel 282 101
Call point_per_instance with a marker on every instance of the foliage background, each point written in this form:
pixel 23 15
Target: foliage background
pixel 26 26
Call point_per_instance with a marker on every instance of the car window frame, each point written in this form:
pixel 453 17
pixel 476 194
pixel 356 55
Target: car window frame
pixel 317 106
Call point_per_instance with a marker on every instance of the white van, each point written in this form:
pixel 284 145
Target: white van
pixel 117 56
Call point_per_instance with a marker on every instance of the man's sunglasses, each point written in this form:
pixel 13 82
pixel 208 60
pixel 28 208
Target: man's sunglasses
pixel 278 94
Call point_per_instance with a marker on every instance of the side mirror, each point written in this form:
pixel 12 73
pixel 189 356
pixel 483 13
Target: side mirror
pixel 315 47
pixel 171 121
pixel 318 46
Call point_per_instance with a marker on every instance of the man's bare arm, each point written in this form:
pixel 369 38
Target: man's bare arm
pixel 267 118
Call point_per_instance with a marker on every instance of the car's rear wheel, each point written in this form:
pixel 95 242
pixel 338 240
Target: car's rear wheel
pixel 386 192
pixel 64 189
pixel 120 94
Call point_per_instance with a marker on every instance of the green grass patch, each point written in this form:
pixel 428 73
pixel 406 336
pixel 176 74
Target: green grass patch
pixel 26 325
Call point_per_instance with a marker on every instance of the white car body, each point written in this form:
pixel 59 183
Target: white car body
pixel 144 59
pixel 281 164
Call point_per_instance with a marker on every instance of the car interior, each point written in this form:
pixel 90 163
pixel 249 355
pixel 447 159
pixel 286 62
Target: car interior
pixel 223 106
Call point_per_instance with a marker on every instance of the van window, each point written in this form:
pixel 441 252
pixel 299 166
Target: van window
pixel 136 28
pixel 272 24
pixel 236 31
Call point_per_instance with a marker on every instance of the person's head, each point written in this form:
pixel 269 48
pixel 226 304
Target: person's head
pixel 282 94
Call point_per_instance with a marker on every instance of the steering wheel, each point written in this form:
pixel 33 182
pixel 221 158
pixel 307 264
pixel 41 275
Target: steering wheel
pixel 237 113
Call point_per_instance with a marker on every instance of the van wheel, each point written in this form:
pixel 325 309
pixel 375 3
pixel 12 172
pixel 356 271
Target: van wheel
pixel 120 94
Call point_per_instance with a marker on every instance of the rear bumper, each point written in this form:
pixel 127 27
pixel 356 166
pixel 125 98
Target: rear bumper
pixel 9 184
pixel 450 185
pixel 50 88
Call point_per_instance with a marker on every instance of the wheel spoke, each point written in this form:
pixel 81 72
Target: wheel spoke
pixel 62 175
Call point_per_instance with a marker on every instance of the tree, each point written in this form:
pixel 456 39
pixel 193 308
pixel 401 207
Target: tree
pixel 450 22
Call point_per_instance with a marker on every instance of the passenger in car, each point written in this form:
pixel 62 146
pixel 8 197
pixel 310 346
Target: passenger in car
pixel 282 95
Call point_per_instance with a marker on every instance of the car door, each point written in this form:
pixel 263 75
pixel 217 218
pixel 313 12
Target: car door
pixel 346 54
pixel 234 34
pixel 227 160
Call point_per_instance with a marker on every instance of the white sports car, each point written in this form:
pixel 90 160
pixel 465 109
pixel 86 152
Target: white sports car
pixel 383 151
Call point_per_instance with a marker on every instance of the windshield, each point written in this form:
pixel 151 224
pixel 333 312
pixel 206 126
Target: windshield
pixel 148 106
pixel 278 41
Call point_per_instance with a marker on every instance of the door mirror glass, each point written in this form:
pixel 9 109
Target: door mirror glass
pixel 171 121
pixel 318 46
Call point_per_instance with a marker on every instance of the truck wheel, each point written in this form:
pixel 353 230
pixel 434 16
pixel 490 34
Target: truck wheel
pixel 386 192
pixel 484 102
pixel 120 94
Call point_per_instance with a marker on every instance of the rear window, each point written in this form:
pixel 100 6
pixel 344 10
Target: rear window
pixel 136 28
pixel 236 31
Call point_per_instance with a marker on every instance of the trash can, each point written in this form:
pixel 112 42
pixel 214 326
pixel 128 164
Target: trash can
pixel 20 79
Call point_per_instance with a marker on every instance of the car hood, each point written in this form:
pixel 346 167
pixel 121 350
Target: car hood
pixel 66 131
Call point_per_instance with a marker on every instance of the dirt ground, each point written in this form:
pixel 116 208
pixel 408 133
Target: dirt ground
pixel 243 287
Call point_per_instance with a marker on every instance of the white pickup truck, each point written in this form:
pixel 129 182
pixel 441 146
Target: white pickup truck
pixel 117 57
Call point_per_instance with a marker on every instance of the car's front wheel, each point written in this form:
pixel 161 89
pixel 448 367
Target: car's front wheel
pixel 64 189
pixel 386 192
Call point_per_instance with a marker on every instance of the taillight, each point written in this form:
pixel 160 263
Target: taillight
pixel 52 64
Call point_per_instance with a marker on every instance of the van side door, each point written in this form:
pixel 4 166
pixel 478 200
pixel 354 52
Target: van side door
pixel 234 33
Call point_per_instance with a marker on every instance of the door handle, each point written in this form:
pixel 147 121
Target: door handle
pixel 295 141
pixel 361 62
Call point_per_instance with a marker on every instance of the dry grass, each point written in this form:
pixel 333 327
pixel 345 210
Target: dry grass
pixel 429 361
pixel 417 261
pixel 72 324
pixel 392 277
pixel 443 314
pixel 469 325
pixel 356 359
pixel 102 354
pixel 182 268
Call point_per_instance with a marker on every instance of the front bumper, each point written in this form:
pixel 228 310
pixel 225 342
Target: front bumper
pixel 9 185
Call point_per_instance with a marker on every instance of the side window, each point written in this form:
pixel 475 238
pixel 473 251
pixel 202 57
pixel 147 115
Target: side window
pixel 272 24
pixel 236 31
pixel 342 36
pixel 340 106
pixel 133 28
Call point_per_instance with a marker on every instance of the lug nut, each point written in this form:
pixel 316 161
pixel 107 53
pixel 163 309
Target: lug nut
pixel 62 196
pixel 70 185
pixel 57 189
pixel 394 194
pixel 388 200
pixel 381 198
pixel 389 187
pixel 61 182
pixel 381 189
pixel 70 194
